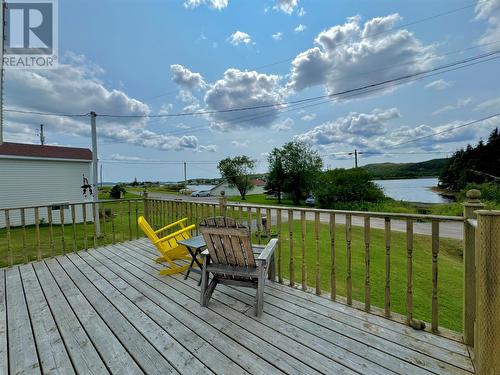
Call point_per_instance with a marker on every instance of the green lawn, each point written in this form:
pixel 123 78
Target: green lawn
pixel 450 264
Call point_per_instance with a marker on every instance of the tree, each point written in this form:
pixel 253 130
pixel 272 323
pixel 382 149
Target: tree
pixel 346 185
pixel 295 169
pixel 472 165
pixel 117 191
pixel 235 171
pixel 276 176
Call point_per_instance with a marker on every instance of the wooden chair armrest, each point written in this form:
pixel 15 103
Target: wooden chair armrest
pixel 178 222
pixel 268 251
pixel 173 235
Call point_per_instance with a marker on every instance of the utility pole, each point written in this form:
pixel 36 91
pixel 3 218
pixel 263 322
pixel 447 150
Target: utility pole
pixel 93 127
pixel 100 179
pixel 42 137
pixel 2 47
pixel 185 174
pixel 355 153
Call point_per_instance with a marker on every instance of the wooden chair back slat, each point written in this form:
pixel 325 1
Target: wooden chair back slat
pixel 228 242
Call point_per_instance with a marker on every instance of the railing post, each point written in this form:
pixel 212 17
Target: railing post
pixel 487 328
pixel 222 206
pixel 146 203
pixel 469 259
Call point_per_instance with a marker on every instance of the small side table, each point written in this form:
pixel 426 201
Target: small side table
pixel 195 246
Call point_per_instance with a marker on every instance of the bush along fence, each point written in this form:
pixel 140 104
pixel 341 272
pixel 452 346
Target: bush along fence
pixel 389 264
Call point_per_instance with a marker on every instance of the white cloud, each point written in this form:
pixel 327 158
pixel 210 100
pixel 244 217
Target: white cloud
pixel 208 148
pixel 309 117
pixel 238 89
pixel 370 133
pixel 491 104
pixel 186 78
pixel 345 53
pixel 125 157
pixel 301 12
pixel 286 6
pixel 74 87
pixel 278 36
pixel 354 128
pixel 214 4
pixel 287 124
pixel 460 103
pixel 489 11
pixel 300 28
pixel 439 84
pixel 239 37
pixel 240 144
pixel 165 109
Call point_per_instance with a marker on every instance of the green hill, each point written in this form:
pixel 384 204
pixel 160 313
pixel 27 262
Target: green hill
pixel 429 168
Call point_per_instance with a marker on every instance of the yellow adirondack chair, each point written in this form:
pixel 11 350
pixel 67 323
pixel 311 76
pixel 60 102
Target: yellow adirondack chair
pixel 168 247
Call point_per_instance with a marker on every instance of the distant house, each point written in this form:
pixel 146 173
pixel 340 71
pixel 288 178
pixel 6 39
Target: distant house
pixel 258 188
pixel 35 175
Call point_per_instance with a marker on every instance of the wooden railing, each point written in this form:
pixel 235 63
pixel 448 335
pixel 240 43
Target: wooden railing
pixel 37 232
pixel 352 255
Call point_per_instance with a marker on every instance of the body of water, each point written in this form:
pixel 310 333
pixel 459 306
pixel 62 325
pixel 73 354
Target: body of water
pixel 412 190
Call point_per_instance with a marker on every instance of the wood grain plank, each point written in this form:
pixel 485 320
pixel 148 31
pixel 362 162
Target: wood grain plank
pixel 80 349
pixel 104 325
pixel 138 333
pixel 23 357
pixel 122 294
pixel 54 358
pixel 234 342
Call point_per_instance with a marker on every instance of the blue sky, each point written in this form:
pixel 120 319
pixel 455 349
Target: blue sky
pixel 133 57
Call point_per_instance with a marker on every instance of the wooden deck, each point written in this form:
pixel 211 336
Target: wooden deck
pixel 108 311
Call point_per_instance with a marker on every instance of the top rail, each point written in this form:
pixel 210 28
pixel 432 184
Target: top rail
pixel 73 203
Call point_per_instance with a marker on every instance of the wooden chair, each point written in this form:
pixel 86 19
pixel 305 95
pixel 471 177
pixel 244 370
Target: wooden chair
pixel 231 259
pixel 167 245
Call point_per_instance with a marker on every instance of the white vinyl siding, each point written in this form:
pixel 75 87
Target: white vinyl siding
pixel 28 182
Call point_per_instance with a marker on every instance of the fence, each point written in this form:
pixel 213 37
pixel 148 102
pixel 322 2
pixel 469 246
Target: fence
pixel 348 253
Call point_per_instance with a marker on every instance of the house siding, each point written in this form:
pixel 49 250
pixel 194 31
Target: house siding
pixel 232 192
pixel 26 182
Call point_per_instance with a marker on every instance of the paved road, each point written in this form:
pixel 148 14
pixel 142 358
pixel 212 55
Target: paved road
pixel 447 229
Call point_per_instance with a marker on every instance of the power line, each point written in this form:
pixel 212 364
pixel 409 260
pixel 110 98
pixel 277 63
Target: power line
pixel 314 98
pixel 394 28
pixel 48 113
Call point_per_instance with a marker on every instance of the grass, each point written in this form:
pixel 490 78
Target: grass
pixel 450 262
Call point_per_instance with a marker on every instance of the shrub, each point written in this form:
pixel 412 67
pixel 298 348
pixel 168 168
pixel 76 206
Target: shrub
pixel 117 191
pixel 346 185
pixel 490 191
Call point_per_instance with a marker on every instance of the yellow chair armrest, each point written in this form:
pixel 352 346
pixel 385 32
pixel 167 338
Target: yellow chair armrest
pixel 179 222
pixel 173 235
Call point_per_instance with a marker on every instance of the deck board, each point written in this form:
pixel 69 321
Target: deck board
pixel 109 311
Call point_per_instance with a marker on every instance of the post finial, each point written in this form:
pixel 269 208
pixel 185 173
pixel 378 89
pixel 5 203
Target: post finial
pixel 473 196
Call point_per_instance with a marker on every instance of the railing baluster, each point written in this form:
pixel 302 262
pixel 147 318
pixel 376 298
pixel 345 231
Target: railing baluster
pixel 51 232
pixel 367 264
pixel 268 223
pixel 37 233
pixel 249 217
pixel 7 227
pixel 73 225
pixel 290 237
pixel 84 217
pixel 23 225
pixel 348 236
pixel 113 232
pixel 303 247
pixel 102 220
pixel 95 218
pixel 63 238
pixel 129 211
pixel 435 252
pixel 387 238
pixel 333 276
pixel 258 224
pixel 136 217
pixel 240 213
pixel 316 236
pixel 409 270
pixel 280 260
pixel 120 212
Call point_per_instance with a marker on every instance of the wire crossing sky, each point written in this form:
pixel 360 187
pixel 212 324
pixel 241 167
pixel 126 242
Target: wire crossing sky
pixel 397 81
